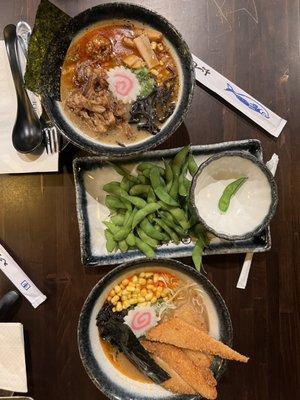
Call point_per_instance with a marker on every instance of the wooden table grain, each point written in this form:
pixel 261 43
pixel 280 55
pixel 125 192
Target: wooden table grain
pixel 254 43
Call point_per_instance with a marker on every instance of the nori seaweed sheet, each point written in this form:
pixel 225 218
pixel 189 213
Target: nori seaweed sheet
pixel 113 330
pixel 49 21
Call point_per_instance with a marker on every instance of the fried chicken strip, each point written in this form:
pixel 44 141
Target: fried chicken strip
pixel 175 384
pixel 181 334
pixel 200 379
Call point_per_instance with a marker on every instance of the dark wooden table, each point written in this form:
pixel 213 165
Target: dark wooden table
pixel 256 45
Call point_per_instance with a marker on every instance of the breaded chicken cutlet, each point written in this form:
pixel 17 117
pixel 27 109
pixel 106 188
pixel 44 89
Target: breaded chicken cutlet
pixel 179 333
pixel 200 379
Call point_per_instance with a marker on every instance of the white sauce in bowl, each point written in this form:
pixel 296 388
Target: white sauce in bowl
pixel 249 205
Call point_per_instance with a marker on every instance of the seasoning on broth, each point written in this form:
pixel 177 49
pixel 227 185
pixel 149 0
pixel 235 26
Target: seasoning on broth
pixel 119 82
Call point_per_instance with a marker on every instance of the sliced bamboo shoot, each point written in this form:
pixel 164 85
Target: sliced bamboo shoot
pixel 144 47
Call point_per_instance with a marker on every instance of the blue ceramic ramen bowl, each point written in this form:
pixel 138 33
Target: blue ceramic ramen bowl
pixel 56 55
pixel 110 380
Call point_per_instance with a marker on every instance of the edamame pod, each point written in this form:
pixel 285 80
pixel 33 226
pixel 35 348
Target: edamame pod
pixel 169 231
pixel 197 254
pixel 159 189
pixel 182 189
pixel 130 240
pixel 144 248
pixel 112 187
pixel 110 242
pixel 146 239
pixel 148 165
pixel 139 190
pixel 193 167
pixel 141 214
pixel 123 246
pixel 118 219
pixel 229 191
pixel 135 200
pixel 122 171
pixel 126 184
pixel 151 198
pixel 150 230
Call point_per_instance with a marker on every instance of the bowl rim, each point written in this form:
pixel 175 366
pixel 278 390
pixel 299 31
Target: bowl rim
pixel 266 172
pixel 79 139
pixel 111 276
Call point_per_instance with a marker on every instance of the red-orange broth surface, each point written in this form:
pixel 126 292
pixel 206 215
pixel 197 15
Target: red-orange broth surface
pixel 83 58
pixel 119 360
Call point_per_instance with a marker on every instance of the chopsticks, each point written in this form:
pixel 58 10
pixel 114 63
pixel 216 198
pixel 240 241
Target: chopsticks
pixel 243 278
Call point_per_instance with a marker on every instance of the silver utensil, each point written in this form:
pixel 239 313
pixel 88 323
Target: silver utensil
pixel 27 132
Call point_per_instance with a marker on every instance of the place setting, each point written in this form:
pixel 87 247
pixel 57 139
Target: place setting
pixel 114 82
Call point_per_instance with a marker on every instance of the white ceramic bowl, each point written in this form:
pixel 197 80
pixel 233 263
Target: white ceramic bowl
pixel 251 207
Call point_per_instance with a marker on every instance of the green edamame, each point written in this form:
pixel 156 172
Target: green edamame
pixel 123 246
pixel 141 214
pixel 112 187
pixel 197 254
pixel 139 190
pixel 193 167
pixel 145 238
pixel 115 203
pixel 148 165
pixel 229 191
pixel 111 227
pixel 182 188
pixel 151 198
pixel 135 200
pixel 126 184
pixel 169 231
pixel 122 171
pixel 144 248
pixel 150 230
pixel 159 189
pixel 118 219
pixel 123 232
pixel 110 242
pixel 130 240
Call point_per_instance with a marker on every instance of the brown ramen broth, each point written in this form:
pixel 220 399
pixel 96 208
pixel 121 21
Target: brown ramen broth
pixel 119 82
pixel 184 295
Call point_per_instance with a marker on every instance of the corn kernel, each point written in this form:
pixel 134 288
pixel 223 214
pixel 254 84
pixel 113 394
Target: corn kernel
pixel 130 288
pixel 141 299
pixel 142 281
pixel 153 300
pixel 124 292
pixel 148 274
pixel 115 299
pixel 155 278
pixel 159 289
pixel 142 274
pixel 119 306
pixel 112 293
pixel 125 304
pixel 114 309
pixel 143 292
pixel 149 296
pixel 123 298
pixel 125 282
pixel 149 281
pixel 117 289
pixel 134 279
pixel 153 45
pixel 144 304
pixel 109 298
pixel 150 287
pixel 154 72
pixel 138 285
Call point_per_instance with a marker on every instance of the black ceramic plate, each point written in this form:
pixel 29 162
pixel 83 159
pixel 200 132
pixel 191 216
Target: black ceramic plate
pixel 104 375
pixel 56 55
pixel 92 173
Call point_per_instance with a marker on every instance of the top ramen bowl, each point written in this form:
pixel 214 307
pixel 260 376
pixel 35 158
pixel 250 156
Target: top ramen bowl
pixel 112 382
pixel 55 58
pixel 250 209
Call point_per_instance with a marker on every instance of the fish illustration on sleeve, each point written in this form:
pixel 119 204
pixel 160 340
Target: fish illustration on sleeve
pixel 248 101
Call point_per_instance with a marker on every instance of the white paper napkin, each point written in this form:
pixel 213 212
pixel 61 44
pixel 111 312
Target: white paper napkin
pixel 10 160
pixel 13 375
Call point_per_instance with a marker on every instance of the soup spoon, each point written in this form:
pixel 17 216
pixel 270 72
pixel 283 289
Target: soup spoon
pixel 27 131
